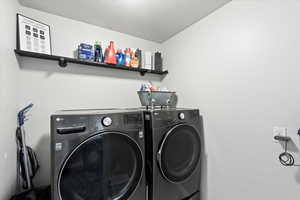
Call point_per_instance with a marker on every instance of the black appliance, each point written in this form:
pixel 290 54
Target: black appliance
pixel 174 152
pixel 97 155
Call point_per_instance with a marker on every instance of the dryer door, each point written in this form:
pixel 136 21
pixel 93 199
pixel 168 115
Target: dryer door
pixel 105 166
pixel 179 153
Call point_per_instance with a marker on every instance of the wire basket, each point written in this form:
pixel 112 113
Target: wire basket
pixel 158 98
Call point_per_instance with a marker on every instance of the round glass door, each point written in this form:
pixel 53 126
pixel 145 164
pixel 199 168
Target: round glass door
pixel 179 153
pixel 107 166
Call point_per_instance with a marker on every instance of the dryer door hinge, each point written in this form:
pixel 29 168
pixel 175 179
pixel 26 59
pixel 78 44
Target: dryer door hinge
pixel 147 117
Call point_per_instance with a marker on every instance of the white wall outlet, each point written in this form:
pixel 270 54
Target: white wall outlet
pixel 279 131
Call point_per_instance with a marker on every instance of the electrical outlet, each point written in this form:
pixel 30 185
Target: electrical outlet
pixel 279 131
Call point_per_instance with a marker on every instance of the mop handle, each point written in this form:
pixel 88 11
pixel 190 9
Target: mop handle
pixel 21 114
pixel 21 119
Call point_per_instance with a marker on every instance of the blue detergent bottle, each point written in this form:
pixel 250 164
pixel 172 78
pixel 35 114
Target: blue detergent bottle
pixel 120 57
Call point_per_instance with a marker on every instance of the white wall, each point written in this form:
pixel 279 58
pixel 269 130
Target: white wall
pixel 241 67
pixel 8 84
pixel 52 88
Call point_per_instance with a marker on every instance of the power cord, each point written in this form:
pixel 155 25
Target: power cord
pixel 286 158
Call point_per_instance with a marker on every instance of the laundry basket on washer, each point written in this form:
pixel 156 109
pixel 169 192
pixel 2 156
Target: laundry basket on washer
pixel 158 98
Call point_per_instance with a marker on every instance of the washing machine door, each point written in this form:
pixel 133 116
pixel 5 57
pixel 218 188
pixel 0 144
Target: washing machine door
pixel 179 153
pixel 107 166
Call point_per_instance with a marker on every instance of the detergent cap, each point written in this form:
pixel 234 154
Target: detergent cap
pixel 98 43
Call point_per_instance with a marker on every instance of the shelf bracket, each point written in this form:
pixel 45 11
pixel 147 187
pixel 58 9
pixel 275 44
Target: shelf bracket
pixel 143 72
pixel 62 62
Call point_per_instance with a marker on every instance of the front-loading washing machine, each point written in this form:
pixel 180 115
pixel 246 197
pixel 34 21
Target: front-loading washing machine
pixel 97 155
pixel 174 152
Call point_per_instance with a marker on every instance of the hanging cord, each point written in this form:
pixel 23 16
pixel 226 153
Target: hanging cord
pixel 286 158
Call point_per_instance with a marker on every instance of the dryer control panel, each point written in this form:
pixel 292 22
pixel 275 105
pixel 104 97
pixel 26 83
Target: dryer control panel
pixel 170 117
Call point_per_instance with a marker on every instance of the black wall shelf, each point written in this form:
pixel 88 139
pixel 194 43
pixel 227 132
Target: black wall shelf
pixel 63 62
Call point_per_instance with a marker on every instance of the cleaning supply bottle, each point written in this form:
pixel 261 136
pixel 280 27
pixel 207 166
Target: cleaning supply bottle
pixel 138 55
pixel 98 52
pixel 158 61
pixel 110 58
pixel 127 57
pixel 133 60
pixel 120 57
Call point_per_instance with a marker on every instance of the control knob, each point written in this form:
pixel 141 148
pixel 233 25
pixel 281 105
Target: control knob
pixel 181 116
pixel 106 121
